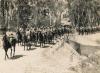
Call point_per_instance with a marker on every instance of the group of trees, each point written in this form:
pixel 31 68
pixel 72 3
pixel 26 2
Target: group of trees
pixel 36 13
pixel 84 13
pixel 47 13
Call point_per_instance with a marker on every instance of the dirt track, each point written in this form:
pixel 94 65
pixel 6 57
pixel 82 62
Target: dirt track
pixel 52 59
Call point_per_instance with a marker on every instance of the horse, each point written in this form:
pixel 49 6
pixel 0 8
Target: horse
pixel 19 37
pixel 8 45
pixel 13 42
pixel 41 39
pixel 26 41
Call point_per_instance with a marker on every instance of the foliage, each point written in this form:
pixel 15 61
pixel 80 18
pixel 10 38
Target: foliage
pixel 33 12
pixel 83 13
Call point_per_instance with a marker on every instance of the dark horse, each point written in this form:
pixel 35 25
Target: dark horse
pixel 8 45
pixel 26 42
pixel 13 42
pixel 19 37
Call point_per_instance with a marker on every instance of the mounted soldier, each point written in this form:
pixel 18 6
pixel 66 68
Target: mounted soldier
pixel 13 42
pixel 24 40
pixel 19 37
pixel 41 39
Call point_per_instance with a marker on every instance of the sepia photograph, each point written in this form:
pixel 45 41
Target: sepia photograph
pixel 49 36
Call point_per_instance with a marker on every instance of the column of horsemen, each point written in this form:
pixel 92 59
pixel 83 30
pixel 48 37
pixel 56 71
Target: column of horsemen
pixel 88 30
pixel 40 36
pixel 43 36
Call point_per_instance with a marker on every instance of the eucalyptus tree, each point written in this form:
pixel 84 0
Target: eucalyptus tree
pixel 3 12
pixel 6 8
pixel 24 13
pixel 42 12
pixel 45 8
pixel 61 6
pixel 51 11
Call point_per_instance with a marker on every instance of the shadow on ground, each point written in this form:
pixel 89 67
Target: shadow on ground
pixel 52 43
pixel 31 49
pixel 17 57
pixel 37 45
pixel 98 42
pixel 46 46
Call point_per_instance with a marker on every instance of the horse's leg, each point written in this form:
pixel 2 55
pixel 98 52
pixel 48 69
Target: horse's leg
pixel 24 46
pixel 30 46
pixel 11 52
pixel 27 46
pixel 6 55
pixel 18 42
pixel 21 43
pixel 42 44
pixel 14 51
